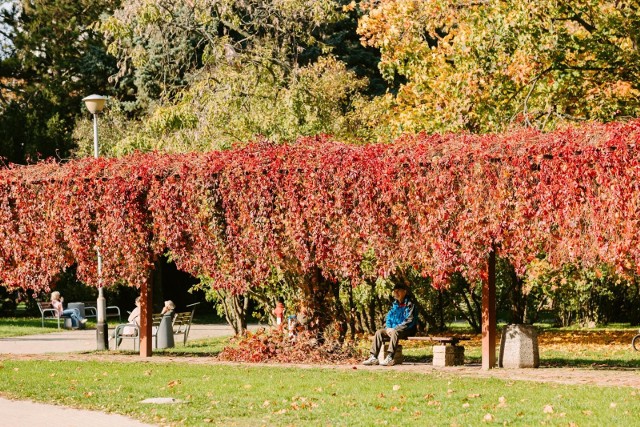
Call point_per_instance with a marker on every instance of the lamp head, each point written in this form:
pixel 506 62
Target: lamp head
pixel 95 103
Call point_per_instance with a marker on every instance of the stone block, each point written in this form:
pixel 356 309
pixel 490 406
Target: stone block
pixel 397 357
pixel 448 355
pixel 519 347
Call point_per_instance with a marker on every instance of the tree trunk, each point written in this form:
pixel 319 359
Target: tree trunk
pixel 352 314
pixel 372 308
pixel 341 316
pixel 235 309
pixel 517 299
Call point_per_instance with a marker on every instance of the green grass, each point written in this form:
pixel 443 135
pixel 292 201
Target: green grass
pixel 249 395
pixel 20 326
pixel 194 348
pixel 245 395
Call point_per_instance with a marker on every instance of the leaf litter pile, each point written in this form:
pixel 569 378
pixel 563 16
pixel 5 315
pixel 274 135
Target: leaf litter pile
pixel 277 346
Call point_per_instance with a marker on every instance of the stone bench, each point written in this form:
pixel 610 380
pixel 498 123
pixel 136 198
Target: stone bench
pixel 446 352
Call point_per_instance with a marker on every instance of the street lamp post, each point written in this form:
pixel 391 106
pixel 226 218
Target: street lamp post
pixel 95 104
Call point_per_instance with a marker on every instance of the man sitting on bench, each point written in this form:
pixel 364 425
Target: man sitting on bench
pixel 401 323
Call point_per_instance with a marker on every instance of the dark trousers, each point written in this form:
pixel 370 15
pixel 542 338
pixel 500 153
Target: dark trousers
pixel 381 336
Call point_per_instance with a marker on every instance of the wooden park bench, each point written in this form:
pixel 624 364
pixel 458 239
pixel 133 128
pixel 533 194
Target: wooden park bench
pixel 446 351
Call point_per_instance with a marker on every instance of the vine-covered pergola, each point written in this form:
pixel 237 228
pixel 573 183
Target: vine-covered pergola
pixel 438 203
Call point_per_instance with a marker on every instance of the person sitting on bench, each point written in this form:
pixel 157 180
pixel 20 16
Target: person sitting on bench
pixel 401 323
pixel 77 320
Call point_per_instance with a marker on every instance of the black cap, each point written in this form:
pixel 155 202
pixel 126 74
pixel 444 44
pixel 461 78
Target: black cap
pixel 400 286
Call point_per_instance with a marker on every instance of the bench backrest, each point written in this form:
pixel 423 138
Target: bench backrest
pixel 45 305
pixel 181 321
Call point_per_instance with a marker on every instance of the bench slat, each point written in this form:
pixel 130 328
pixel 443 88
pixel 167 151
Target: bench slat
pixel 450 340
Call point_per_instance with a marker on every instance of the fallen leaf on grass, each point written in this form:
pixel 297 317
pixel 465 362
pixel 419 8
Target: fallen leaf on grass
pixel 587 413
pixel 396 387
pixel 613 405
pixel 466 405
pixel 503 402
pixel 281 411
pixel 173 383
pixel 488 418
pixel 394 409
pixel 548 409
pixel 266 403
pixel 473 395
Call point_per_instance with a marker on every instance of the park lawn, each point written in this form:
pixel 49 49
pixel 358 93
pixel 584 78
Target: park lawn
pixel 233 395
pixel 21 326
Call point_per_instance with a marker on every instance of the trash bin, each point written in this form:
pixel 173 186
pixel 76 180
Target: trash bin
pixel 79 306
pixel 164 336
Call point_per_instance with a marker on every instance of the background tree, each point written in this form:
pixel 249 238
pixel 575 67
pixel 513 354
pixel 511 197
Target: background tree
pixel 213 74
pixel 478 66
pixel 51 59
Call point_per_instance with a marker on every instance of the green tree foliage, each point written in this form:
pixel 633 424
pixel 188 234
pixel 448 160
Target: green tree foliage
pixel 217 73
pixel 52 59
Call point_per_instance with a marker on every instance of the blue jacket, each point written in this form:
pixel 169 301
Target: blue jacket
pixel 402 316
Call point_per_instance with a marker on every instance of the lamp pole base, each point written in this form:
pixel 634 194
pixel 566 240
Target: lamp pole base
pixel 102 336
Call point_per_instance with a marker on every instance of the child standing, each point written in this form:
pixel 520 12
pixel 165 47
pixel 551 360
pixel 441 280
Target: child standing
pixel 279 313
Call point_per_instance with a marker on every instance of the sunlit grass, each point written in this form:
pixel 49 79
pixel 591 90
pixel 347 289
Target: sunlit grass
pixel 259 395
pixel 21 326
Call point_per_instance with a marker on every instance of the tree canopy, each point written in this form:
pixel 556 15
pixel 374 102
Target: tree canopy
pixel 481 65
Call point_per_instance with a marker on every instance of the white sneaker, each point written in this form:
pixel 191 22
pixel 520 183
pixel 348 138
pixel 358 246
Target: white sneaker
pixel 388 361
pixel 83 321
pixel 372 360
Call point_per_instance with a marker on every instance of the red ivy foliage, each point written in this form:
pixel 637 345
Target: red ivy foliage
pixel 439 203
